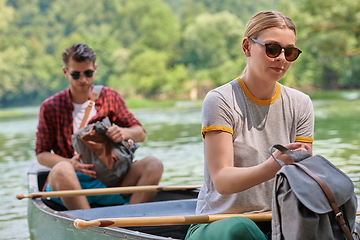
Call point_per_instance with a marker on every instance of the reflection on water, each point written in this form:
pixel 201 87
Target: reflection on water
pixel 337 135
pixel 174 137
pixel 16 154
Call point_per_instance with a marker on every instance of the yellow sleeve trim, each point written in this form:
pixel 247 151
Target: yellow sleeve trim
pixel 217 128
pixel 304 139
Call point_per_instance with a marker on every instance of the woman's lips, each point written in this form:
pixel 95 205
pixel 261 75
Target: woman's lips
pixel 277 69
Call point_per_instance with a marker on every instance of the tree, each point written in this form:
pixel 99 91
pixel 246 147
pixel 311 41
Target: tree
pixel 329 33
pixel 212 40
pixel 160 29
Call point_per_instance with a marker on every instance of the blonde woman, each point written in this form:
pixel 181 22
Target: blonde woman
pixel 241 120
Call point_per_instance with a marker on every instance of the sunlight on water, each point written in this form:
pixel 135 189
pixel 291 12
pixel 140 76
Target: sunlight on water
pixel 174 136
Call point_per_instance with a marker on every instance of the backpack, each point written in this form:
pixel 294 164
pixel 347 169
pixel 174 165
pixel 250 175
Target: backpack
pixel 312 200
pixel 111 160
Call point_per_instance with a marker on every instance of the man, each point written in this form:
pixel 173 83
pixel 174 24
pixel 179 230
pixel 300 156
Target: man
pixel 60 116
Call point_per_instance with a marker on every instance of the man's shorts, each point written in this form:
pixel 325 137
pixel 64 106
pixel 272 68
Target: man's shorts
pixel 87 182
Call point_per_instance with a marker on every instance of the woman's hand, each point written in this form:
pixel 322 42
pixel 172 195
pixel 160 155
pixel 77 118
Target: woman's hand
pixel 298 146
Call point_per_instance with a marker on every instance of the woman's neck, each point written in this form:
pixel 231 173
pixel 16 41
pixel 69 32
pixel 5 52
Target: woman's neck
pixel 259 88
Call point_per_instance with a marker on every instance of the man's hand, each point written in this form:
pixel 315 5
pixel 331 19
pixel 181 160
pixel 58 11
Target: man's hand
pixel 82 167
pixel 116 134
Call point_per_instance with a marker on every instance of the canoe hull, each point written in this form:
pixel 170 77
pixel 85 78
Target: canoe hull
pixel 46 223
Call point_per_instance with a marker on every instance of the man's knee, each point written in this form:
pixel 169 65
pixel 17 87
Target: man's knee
pixel 149 167
pixel 154 165
pixel 62 169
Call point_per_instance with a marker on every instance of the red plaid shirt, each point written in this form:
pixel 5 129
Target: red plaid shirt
pixel 55 125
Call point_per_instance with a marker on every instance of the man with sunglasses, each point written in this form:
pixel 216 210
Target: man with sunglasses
pixel 60 116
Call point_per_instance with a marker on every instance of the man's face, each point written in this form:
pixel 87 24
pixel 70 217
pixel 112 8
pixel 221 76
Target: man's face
pixel 80 75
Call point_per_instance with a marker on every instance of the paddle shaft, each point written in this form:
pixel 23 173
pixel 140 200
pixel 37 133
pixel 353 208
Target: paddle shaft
pixel 106 191
pixel 167 220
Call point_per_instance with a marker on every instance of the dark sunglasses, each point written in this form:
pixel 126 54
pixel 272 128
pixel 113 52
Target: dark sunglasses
pixel 76 75
pixel 273 50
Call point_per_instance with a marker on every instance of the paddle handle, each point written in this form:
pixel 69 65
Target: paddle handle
pixel 105 191
pixel 167 220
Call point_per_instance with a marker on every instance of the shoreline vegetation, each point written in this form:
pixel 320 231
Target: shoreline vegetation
pixel 132 103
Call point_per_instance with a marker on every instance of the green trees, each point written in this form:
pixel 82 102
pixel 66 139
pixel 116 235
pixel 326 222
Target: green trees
pixel 167 48
pixel 329 32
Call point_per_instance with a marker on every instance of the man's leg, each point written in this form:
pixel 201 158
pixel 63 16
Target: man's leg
pixel 63 177
pixel 147 171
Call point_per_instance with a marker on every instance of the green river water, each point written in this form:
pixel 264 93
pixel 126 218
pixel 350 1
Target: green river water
pixel 174 137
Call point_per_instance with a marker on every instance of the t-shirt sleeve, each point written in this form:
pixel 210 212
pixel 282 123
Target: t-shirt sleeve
pixel 305 124
pixel 216 113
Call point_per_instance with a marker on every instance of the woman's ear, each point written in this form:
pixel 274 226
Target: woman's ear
pixel 246 46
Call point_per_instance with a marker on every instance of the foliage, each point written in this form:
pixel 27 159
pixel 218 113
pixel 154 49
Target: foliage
pixel 159 49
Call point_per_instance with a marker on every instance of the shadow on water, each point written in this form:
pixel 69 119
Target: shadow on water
pixel 174 136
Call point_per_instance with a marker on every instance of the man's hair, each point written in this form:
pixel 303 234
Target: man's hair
pixel 79 52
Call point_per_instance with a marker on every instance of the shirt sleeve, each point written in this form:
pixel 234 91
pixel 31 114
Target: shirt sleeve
pixel 45 131
pixel 124 118
pixel 216 113
pixel 305 125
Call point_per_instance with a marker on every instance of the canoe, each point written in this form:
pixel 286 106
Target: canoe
pixel 48 220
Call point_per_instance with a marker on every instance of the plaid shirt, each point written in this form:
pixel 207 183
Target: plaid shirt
pixel 55 126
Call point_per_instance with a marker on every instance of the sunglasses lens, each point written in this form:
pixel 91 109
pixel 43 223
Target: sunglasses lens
pixel 273 50
pixel 75 75
pixel 291 54
pixel 89 73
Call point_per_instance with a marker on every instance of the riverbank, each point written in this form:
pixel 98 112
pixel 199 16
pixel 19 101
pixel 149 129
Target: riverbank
pixel 31 111
pixel 138 103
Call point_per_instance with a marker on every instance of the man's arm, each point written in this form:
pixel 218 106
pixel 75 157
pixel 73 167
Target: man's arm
pixel 118 134
pixel 50 160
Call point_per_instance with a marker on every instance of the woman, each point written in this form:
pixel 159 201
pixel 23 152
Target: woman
pixel 241 121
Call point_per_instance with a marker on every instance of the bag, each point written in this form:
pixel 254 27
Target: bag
pixel 312 200
pixel 111 160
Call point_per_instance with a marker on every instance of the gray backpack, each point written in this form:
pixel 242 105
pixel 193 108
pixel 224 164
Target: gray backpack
pixel 111 160
pixel 312 200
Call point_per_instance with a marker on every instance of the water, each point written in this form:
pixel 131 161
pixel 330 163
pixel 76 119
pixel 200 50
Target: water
pixel 174 137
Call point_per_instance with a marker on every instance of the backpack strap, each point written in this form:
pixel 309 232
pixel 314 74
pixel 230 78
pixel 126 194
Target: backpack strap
pixel 331 198
pixel 296 156
pixel 95 93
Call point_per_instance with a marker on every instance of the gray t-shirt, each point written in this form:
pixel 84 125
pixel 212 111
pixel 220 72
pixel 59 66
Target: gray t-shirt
pixel 255 126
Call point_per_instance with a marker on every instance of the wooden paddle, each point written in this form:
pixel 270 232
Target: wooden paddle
pixel 106 191
pixel 168 220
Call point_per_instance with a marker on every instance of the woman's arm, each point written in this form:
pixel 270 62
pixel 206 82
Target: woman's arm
pixel 228 179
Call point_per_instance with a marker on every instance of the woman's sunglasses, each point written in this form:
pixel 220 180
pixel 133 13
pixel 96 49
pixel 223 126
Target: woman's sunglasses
pixel 76 75
pixel 273 50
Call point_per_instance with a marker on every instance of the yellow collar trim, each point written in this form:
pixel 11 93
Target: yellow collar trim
pixel 260 101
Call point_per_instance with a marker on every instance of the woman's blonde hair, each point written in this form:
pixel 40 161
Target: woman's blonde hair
pixel 265 20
